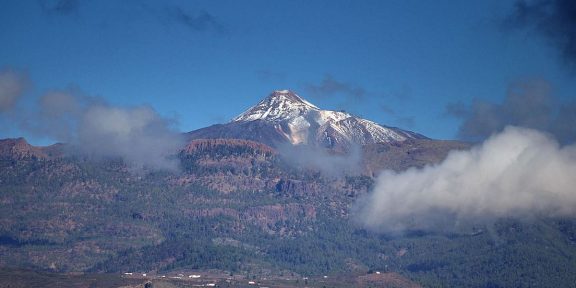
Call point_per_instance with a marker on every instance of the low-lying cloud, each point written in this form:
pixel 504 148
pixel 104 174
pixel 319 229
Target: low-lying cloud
pixel 518 173
pixel 138 135
pixel 329 163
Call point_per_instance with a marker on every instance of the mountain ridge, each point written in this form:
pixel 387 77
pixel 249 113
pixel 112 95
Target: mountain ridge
pixel 240 206
pixel 283 117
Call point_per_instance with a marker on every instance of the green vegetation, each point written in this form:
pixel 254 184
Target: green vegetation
pixel 79 215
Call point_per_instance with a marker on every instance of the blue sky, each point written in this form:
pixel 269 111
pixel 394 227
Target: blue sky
pixel 399 63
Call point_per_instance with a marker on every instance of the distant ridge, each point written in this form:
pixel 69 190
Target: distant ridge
pixel 19 148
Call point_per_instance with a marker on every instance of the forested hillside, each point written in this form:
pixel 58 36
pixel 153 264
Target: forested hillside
pixel 239 207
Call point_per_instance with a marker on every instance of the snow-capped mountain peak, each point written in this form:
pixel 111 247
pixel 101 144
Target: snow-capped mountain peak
pixel 300 122
pixel 281 104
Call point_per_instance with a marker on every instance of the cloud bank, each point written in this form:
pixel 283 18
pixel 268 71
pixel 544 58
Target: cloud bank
pixel 517 173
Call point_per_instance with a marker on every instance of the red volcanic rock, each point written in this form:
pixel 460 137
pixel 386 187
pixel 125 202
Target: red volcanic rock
pixel 19 148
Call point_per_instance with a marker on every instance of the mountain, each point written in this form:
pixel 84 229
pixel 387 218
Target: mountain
pixel 19 148
pixel 284 117
pixel 240 210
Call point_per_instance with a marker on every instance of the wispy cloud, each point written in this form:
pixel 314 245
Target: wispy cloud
pixel 138 135
pixel 59 7
pixel 406 121
pixel 529 104
pixel 198 22
pixel 330 87
pixel 270 75
pixel 329 163
pixel 12 86
pixel 554 19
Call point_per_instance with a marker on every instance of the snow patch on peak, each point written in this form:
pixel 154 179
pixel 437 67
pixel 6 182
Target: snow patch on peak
pixel 280 105
pixel 301 122
pixel 325 116
pixel 291 96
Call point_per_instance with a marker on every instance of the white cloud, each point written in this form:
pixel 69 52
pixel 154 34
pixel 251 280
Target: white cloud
pixel 138 135
pixel 516 173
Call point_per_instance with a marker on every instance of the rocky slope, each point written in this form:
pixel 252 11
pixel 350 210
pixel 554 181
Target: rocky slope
pixel 19 148
pixel 284 117
pixel 240 206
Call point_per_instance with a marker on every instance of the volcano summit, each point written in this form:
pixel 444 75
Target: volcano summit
pixel 284 117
